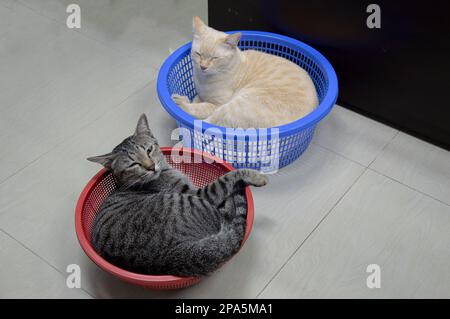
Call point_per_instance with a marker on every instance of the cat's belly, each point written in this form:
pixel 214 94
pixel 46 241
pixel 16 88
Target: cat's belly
pixel 211 96
pixel 215 93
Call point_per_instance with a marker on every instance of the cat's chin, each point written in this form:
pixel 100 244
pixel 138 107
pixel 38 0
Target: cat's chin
pixel 143 181
pixel 206 72
pixel 153 177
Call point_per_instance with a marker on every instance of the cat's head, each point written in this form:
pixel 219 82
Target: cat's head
pixel 137 160
pixel 212 51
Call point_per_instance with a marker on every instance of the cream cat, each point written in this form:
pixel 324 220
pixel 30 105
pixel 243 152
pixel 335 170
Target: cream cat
pixel 244 89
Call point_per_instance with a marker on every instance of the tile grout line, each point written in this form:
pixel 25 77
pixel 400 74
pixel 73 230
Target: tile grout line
pixel 53 148
pixel 352 160
pixel 384 147
pixel 366 168
pixel 115 106
pixel 378 172
pixel 312 231
pixel 409 187
pixel 133 93
pixel 32 10
pixel 40 258
pixel 397 181
pixel 338 154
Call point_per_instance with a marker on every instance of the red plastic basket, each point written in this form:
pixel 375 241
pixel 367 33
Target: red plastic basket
pixel 102 184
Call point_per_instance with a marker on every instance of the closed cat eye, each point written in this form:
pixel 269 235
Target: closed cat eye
pixel 150 150
pixel 134 164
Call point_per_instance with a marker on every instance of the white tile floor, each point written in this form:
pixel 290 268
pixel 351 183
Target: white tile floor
pixel 363 193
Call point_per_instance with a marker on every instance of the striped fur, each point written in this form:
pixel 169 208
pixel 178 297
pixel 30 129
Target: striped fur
pixel 157 222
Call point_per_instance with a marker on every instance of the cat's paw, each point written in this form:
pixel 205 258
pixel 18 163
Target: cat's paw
pixel 180 99
pixel 255 178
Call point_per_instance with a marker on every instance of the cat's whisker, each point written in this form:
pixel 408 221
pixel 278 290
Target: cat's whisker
pixel 271 89
pixel 133 183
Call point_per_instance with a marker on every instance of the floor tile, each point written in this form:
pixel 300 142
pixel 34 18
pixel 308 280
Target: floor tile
pixel 286 211
pixel 281 224
pixel 5 19
pixel 418 164
pixel 147 32
pixel 7 3
pixel 37 204
pixel 40 212
pixel 24 275
pixel 65 83
pixel 382 222
pixel 352 135
pixel 69 94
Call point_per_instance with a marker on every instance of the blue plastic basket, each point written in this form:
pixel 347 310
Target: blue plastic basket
pixel 262 149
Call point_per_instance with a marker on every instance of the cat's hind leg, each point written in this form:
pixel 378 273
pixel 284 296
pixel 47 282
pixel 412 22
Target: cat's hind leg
pixel 199 110
pixel 235 113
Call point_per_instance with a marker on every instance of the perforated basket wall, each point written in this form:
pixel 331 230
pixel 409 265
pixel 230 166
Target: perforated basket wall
pixel 200 174
pixel 265 149
pixel 200 168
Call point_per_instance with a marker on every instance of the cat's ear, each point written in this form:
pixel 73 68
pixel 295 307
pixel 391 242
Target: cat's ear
pixel 142 126
pixel 233 39
pixel 197 25
pixel 104 160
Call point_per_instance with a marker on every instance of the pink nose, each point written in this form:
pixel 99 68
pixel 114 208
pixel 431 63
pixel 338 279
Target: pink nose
pixel 148 165
pixel 203 67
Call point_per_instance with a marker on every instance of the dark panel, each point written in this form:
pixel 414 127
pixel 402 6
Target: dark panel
pixel 399 74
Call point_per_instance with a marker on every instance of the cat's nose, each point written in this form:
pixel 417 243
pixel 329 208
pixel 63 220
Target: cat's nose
pixel 149 165
pixel 203 67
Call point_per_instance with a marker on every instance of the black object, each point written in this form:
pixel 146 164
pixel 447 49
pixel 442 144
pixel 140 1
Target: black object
pixel 398 74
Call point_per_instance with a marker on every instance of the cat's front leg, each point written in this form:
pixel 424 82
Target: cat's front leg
pixel 199 110
pixel 251 177
pixel 226 185
pixel 197 99
pixel 180 100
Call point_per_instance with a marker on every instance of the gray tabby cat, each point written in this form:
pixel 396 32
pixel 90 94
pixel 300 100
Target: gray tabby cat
pixel 157 222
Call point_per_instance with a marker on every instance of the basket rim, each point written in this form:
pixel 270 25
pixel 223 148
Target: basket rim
pixel 305 122
pixel 136 278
